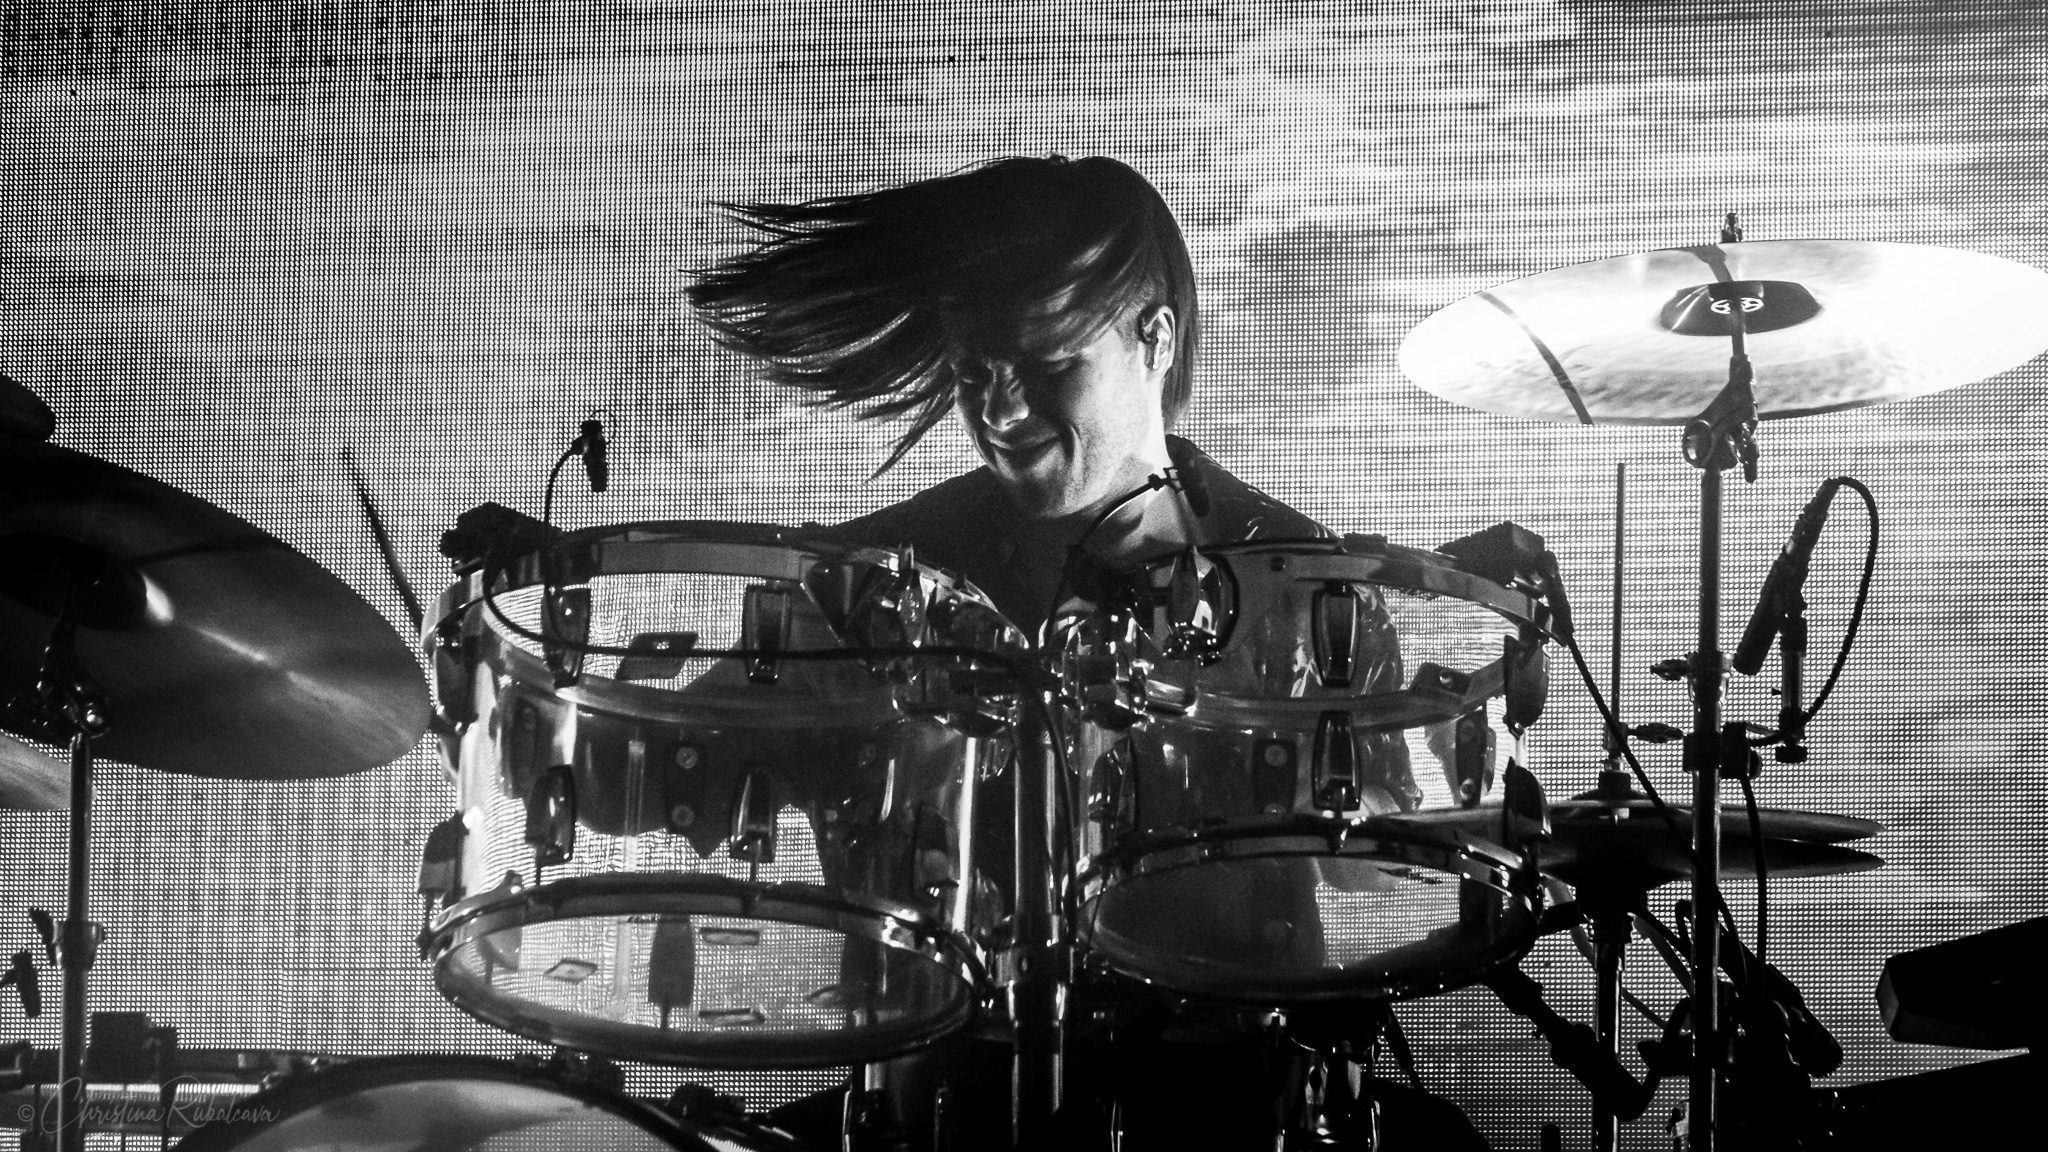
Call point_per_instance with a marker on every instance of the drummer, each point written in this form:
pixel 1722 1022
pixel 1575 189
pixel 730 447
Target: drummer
pixel 1050 306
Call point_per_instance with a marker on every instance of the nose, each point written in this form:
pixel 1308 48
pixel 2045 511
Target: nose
pixel 1003 402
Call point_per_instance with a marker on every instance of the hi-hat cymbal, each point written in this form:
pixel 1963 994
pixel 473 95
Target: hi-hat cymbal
pixel 1834 324
pixel 31 781
pixel 1615 805
pixel 1643 855
pixel 221 651
pixel 1618 840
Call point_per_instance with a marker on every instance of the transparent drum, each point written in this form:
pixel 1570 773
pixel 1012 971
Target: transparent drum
pixel 463 1104
pixel 764 857
pixel 1253 722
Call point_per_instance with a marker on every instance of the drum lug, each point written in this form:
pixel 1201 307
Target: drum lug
pixel 753 819
pixel 454 651
pixel 1527 669
pixel 441 861
pixel 1472 755
pixel 672 964
pixel 1335 784
pixel 551 816
pixel 1275 771
pixel 913 600
pixel 1336 614
pixel 1105 681
pixel 764 631
pixel 565 628
pixel 1110 802
pixel 1201 606
pixel 847 592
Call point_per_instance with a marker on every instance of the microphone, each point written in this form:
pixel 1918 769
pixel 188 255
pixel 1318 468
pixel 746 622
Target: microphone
pixel 590 445
pixel 1788 575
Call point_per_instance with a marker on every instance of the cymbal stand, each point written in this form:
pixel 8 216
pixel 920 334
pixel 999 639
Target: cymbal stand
pixel 1610 912
pixel 1611 918
pixel 1721 437
pixel 1040 959
pixel 66 701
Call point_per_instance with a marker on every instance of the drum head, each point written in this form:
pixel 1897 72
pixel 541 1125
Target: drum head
pixel 458 1104
pixel 1276 916
pixel 704 970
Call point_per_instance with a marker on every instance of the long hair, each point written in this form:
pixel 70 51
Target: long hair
pixel 865 301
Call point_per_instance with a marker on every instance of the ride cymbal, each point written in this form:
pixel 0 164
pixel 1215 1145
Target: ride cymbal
pixel 220 651
pixel 1639 339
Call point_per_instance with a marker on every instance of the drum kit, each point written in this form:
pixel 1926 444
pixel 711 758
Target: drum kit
pixel 749 797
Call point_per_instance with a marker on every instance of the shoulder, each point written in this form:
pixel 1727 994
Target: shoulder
pixel 1238 510
pixel 949 517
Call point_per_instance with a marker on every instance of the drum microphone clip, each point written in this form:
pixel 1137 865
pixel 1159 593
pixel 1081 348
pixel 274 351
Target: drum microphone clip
pixel 590 445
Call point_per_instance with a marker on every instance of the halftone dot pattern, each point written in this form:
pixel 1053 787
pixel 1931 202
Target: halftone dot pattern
pixel 243 237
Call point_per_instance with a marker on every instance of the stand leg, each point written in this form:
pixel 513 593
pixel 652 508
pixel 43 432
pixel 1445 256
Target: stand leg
pixel 77 940
pixel 1611 932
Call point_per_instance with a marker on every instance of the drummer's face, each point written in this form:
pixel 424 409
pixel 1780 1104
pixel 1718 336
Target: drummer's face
pixel 1066 427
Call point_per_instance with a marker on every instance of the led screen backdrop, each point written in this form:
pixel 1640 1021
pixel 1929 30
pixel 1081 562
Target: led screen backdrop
pixel 242 238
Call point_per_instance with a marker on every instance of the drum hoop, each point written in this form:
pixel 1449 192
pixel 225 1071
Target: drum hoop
pixel 736 707
pixel 661 547
pixel 1476 860
pixel 1151 854
pixel 300 1090
pixel 1378 711
pixel 1320 559
pixel 673 548
pixel 658 893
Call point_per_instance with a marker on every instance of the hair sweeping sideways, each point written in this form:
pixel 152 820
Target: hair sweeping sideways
pixel 868 301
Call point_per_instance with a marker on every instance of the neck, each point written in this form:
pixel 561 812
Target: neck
pixel 1132 524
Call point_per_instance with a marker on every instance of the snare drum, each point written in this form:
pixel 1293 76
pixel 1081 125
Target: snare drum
pixel 764 859
pixel 449 1103
pixel 1237 840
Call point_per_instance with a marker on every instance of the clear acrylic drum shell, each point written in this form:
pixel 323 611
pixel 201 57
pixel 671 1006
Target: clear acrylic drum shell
pixel 1206 864
pixel 460 1104
pixel 654 941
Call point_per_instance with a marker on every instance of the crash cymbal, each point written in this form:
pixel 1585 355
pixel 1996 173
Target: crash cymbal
pixel 1834 324
pixel 31 781
pixel 22 412
pixel 220 650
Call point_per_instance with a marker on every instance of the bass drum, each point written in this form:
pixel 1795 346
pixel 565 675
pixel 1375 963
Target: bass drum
pixel 462 1104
